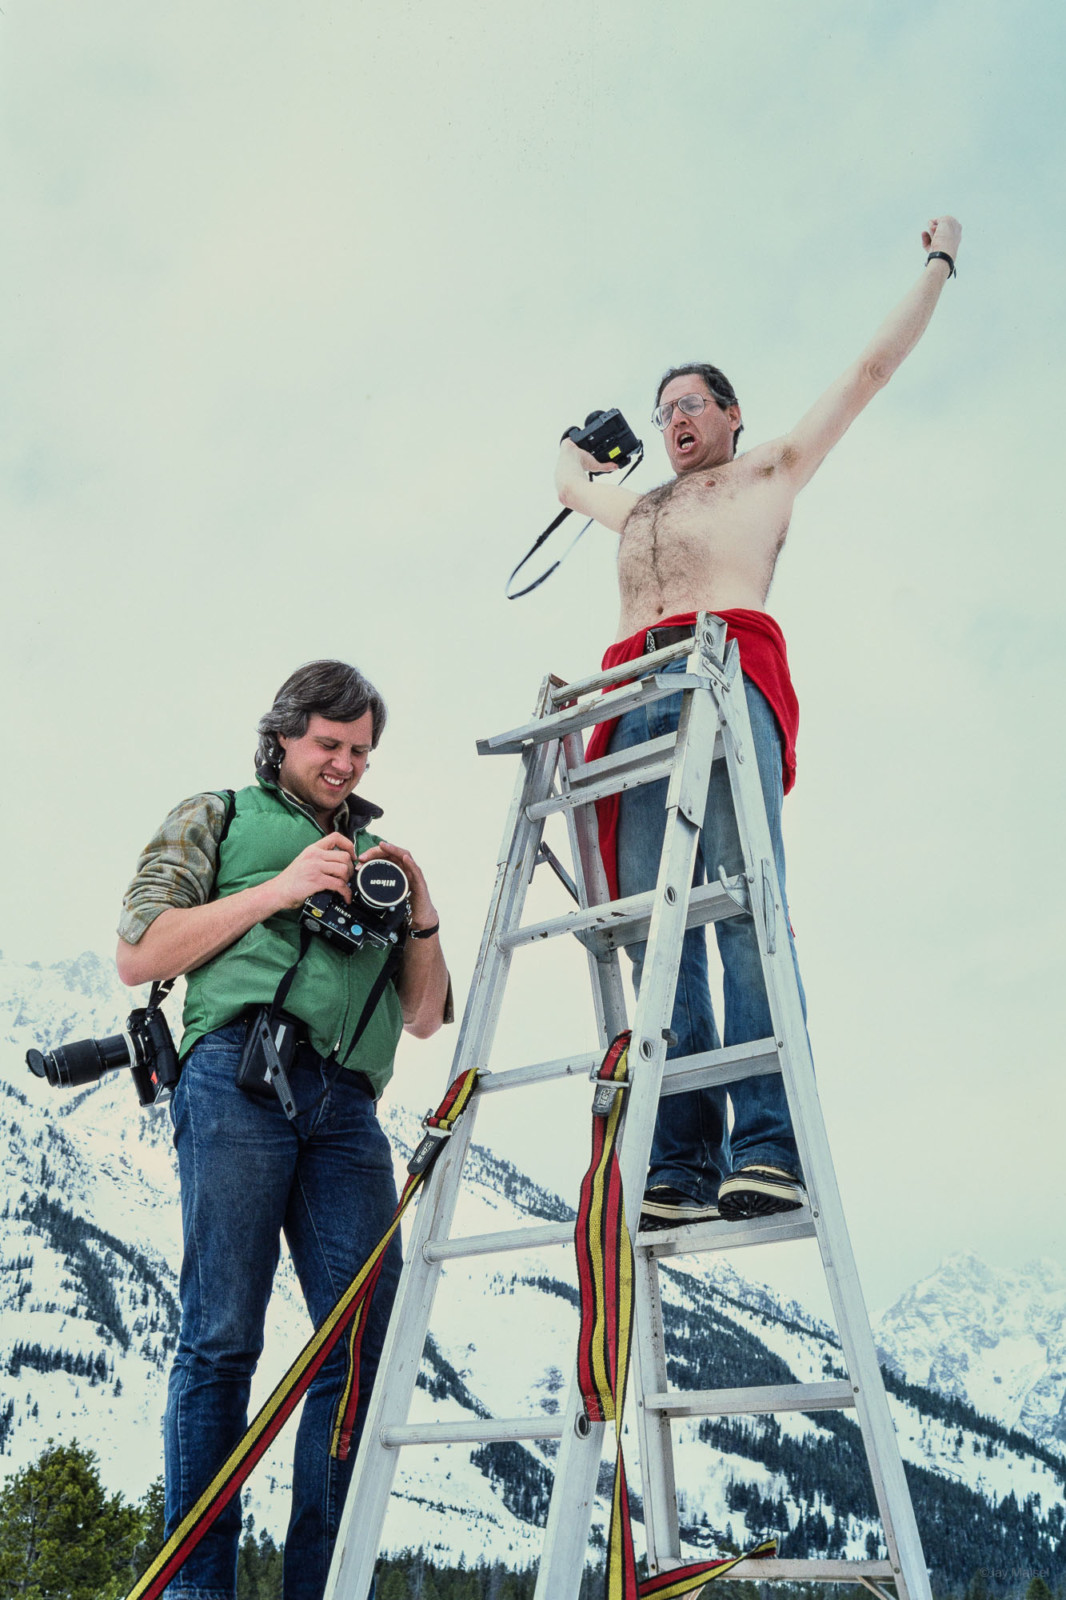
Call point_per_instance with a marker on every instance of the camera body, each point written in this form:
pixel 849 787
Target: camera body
pixel 146 1047
pixel 379 912
pixel 607 436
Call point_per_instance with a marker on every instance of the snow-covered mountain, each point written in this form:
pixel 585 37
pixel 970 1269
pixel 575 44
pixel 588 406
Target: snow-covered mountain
pixel 994 1339
pixel 89 1247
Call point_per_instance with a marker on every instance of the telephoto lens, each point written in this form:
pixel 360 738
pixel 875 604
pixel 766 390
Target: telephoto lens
pixel 83 1061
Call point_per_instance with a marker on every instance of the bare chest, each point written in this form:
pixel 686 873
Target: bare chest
pixel 714 533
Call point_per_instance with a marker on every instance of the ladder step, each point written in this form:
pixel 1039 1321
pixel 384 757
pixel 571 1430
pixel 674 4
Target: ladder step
pixel 585 793
pixel 752 1402
pixel 623 760
pixel 485 1432
pixel 539 1072
pixel 626 769
pixel 770 1570
pixel 603 680
pixel 697 1237
pixel 713 1068
pixel 487 1244
pixel 558 724
pixel 621 922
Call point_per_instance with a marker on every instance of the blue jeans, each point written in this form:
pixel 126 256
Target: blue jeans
pixel 247 1173
pixel 692 1150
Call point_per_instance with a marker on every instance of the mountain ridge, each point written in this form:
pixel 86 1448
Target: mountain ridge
pixel 90 1241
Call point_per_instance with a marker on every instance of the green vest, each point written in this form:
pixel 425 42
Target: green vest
pixel 267 832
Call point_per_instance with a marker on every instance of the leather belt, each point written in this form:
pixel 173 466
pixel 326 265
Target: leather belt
pixel 659 638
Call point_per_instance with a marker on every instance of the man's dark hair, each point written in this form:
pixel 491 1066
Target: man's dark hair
pixel 716 381
pixel 334 690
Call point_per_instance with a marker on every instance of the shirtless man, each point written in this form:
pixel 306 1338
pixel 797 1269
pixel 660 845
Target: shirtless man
pixel 708 540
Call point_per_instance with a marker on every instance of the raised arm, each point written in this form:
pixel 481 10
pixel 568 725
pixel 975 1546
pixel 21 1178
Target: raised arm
pixel 806 447
pixel 606 502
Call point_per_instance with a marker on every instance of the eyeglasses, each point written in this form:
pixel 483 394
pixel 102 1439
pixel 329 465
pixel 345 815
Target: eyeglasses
pixel 691 405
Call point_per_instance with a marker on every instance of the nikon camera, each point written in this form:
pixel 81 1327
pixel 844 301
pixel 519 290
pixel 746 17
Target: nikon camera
pixel 145 1046
pixel 607 436
pixel 378 915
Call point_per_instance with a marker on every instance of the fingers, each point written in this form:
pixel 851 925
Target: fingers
pixel 336 841
pixel 403 858
pixel 389 852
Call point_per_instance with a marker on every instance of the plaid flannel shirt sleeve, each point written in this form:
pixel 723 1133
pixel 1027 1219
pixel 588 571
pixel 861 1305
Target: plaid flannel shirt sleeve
pixel 176 867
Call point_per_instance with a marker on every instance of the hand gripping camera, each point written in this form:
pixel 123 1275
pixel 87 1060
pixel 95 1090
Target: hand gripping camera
pixel 379 913
pixel 607 436
pixel 145 1046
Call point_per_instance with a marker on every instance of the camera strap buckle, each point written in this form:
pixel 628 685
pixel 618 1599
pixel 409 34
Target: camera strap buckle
pixel 440 1124
pixel 428 1146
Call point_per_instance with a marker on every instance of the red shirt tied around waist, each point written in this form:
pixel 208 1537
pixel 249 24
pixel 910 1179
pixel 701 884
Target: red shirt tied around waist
pixel 763 658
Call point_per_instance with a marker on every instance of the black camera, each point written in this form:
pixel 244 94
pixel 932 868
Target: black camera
pixel 146 1047
pixel 607 436
pixel 379 912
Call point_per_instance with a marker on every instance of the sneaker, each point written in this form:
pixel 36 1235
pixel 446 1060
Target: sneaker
pixel 759 1191
pixel 663 1205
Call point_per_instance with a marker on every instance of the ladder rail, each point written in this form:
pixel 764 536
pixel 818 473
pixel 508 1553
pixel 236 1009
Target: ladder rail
pixel 362 1519
pixel 797 1065
pixel 570 1511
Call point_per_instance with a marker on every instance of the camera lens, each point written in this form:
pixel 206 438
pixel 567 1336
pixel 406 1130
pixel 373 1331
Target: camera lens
pixel 382 884
pixel 81 1062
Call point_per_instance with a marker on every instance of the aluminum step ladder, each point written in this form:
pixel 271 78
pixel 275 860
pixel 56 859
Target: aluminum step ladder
pixel 554 778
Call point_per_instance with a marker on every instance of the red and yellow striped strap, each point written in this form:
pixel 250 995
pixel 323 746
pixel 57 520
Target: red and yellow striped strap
pixel 683 1580
pixel 272 1416
pixel 605 1280
pixel 443 1119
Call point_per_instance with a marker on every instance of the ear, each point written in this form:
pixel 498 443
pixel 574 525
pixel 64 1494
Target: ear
pixel 733 413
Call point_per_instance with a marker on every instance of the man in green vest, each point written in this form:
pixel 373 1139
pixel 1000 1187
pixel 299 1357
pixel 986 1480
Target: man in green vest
pixel 217 897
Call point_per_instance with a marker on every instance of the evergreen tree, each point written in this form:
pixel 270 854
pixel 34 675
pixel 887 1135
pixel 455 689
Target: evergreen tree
pixel 1038 1590
pixel 61 1536
pixel 153 1527
pixel 259 1567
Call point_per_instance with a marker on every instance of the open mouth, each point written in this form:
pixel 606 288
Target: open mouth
pixel 685 441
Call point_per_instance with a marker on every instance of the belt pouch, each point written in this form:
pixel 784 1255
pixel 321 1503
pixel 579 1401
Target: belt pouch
pixel 253 1073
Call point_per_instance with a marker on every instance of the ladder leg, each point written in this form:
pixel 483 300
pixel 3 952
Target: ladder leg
pixel 878 1433
pixel 661 1528
pixel 570 1512
pixel 359 1536
pixel 604 970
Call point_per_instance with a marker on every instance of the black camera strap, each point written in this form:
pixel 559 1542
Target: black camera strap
pixel 550 529
pixel 389 969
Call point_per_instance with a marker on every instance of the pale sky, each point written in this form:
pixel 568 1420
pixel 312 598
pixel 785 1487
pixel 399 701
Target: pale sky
pixel 298 302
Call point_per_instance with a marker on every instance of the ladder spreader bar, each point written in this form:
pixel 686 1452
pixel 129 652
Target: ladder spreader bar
pixel 557 724
pixel 700 1236
pixel 539 1072
pixel 626 921
pixel 628 670
pixel 766 1398
pixel 493 1428
pixel 486 1244
pixel 712 1068
pixel 769 1570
